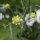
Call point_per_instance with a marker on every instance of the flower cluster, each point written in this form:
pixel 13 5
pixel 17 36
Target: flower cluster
pixel 32 18
pixel 16 20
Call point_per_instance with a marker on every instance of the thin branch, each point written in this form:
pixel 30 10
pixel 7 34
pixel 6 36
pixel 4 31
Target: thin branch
pixel 7 25
pixel 22 4
pixel 11 10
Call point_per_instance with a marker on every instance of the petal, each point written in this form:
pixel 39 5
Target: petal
pixel 38 15
pixel 13 22
pixel 30 22
pixel 21 19
pixel 27 16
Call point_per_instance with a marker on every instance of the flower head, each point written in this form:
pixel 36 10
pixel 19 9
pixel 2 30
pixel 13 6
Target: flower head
pixel 30 21
pixel 7 6
pixel 16 20
pixel 32 15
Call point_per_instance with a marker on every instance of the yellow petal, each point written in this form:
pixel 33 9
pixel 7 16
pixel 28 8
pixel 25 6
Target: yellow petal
pixel 33 15
pixel 19 23
pixel 16 24
pixel 21 19
pixel 12 18
pixel 13 22
pixel 17 16
pixel 7 6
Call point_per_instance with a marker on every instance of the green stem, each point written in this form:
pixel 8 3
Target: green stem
pixel 11 31
pixel 23 7
pixel 6 25
pixel 22 4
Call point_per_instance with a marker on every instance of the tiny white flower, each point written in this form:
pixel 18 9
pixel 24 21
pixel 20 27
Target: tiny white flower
pixel 7 16
pixel 38 15
pixel 30 22
pixel 0 16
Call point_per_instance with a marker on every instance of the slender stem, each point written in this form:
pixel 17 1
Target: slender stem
pixel 24 12
pixel 11 31
pixel 11 10
pixel 23 7
pixel 7 25
pixel 22 4
pixel 29 4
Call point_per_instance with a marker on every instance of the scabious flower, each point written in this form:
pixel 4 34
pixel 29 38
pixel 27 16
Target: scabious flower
pixel 30 19
pixel 32 15
pixel 7 6
pixel 16 20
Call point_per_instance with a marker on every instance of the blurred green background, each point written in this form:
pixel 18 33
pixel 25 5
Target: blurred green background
pixel 5 33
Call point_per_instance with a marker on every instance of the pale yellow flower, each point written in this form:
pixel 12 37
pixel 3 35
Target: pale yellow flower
pixel 16 20
pixel 7 6
pixel 32 15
